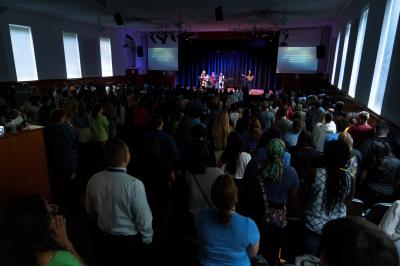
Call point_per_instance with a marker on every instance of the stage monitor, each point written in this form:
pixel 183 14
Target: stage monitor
pixel 297 60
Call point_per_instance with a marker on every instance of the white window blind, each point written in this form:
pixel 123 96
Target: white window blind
pixel 344 55
pixel 24 53
pixel 335 59
pixel 358 52
pixel 385 49
pixel 105 57
pixel 71 53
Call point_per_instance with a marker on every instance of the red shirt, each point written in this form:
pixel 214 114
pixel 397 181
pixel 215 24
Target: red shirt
pixel 359 133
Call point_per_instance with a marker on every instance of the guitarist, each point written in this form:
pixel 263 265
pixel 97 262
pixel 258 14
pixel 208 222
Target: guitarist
pixel 248 83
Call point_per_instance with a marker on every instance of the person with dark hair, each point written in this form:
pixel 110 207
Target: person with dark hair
pixel 379 173
pixel 80 121
pixel 267 118
pixel 45 109
pixel 292 136
pixel 321 130
pixel 282 123
pixel 166 142
pixel 356 242
pixel 381 135
pixel 251 137
pixel 61 147
pixel 226 237
pixel 32 233
pixel 234 159
pixel 328 189
pixel 338 113
pixel 119 203
pixel 361 130
pixel 304 157
pixel 199 175
pixel 314 115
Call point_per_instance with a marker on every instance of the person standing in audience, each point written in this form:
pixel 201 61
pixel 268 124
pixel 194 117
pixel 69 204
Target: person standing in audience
pixel 361 130
pixel 390 224
pixel 251 137
pixel 315 114
pixel 356 242
pixel 45 109
pixel 61 147
pixel 33 233
pixel 226 237
pixel 219 134
pixel 119 204
pixel 328 189
pixel 280 183
pixel 234 159
pixel 98 125
pixel 291 137
pixel 267 118
pixel 321 130
pixel 354 163
pixel 380 173
pixel 381 135
pixel 282 123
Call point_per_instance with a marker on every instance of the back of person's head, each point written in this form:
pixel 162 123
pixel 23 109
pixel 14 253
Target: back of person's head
pixel 318 104
pixel 224 195
pixel 232 152
pixel 363 116
pixel 58 115
pixel 45 100
pixel 198 157
pixel 155 121
pixel 25 231
pixel 339 106
pixel 282 111
pixel 297 125
pixel 298 107
pixel 377 152
pixel 336 156
pixel 382 129
pixel 328 117
pixel 198 132
pixel 255 128
pixel 268 135
pixel 96 109
pixel 273 170
pixel 346 137
pixel 342 124
pixel 264 106
pixel 356 242
pixel 305 139
pixel 116 153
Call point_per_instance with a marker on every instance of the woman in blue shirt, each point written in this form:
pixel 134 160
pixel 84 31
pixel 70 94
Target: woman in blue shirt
pixel 226 237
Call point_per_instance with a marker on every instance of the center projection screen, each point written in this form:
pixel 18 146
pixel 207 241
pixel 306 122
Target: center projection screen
pixel 162 55
pixel 297 60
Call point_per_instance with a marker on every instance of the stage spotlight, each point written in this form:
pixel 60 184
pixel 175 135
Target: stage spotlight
pixel 172 36
pixel 163 39
pixel 152 38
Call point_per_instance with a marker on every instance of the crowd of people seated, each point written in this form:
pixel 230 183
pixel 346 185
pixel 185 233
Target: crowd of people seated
pixel 137 160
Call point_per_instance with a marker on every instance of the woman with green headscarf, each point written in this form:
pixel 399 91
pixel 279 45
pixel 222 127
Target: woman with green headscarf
pixel 275 183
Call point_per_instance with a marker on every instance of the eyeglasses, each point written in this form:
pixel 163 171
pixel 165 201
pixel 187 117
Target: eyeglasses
pixel 54 209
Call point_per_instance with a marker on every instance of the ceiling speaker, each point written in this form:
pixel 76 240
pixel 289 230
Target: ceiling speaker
pixel 118 19
pixel 219 16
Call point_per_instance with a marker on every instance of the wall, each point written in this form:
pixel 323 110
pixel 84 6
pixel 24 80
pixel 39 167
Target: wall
pixel 390 106
pixel 48 45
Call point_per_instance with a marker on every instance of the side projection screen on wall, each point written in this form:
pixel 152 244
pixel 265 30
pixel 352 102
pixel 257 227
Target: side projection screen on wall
pixel 297 60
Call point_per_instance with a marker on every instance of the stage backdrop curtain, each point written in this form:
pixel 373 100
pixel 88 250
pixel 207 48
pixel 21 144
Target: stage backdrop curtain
pixel 262 62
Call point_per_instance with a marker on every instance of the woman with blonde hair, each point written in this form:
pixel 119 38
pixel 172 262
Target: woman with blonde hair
pixel 219 134
pixel 226 237
pixel 354 163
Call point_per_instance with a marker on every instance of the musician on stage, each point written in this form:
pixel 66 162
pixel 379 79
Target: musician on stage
pixel 213 79
pixel 204 79
pixel 221 81
pixel 249 81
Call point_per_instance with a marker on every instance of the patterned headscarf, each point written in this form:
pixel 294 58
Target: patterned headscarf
pixel 274 166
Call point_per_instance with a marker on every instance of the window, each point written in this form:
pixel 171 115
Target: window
pixel 358 53
pixel 71 53
pixel 384 56
pixel 24 53
pixel 344 55
pixel 105 57
pixel 335 59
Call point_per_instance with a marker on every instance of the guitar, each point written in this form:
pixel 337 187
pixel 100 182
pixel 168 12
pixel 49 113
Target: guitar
pixel 248 77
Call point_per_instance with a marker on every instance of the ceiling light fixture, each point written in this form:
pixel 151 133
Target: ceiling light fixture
pixel 152 38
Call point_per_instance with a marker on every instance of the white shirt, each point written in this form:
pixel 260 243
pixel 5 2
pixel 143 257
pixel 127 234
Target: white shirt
pixel 321 130
pixel 243 160
pixel 390 223
pixel 120 203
